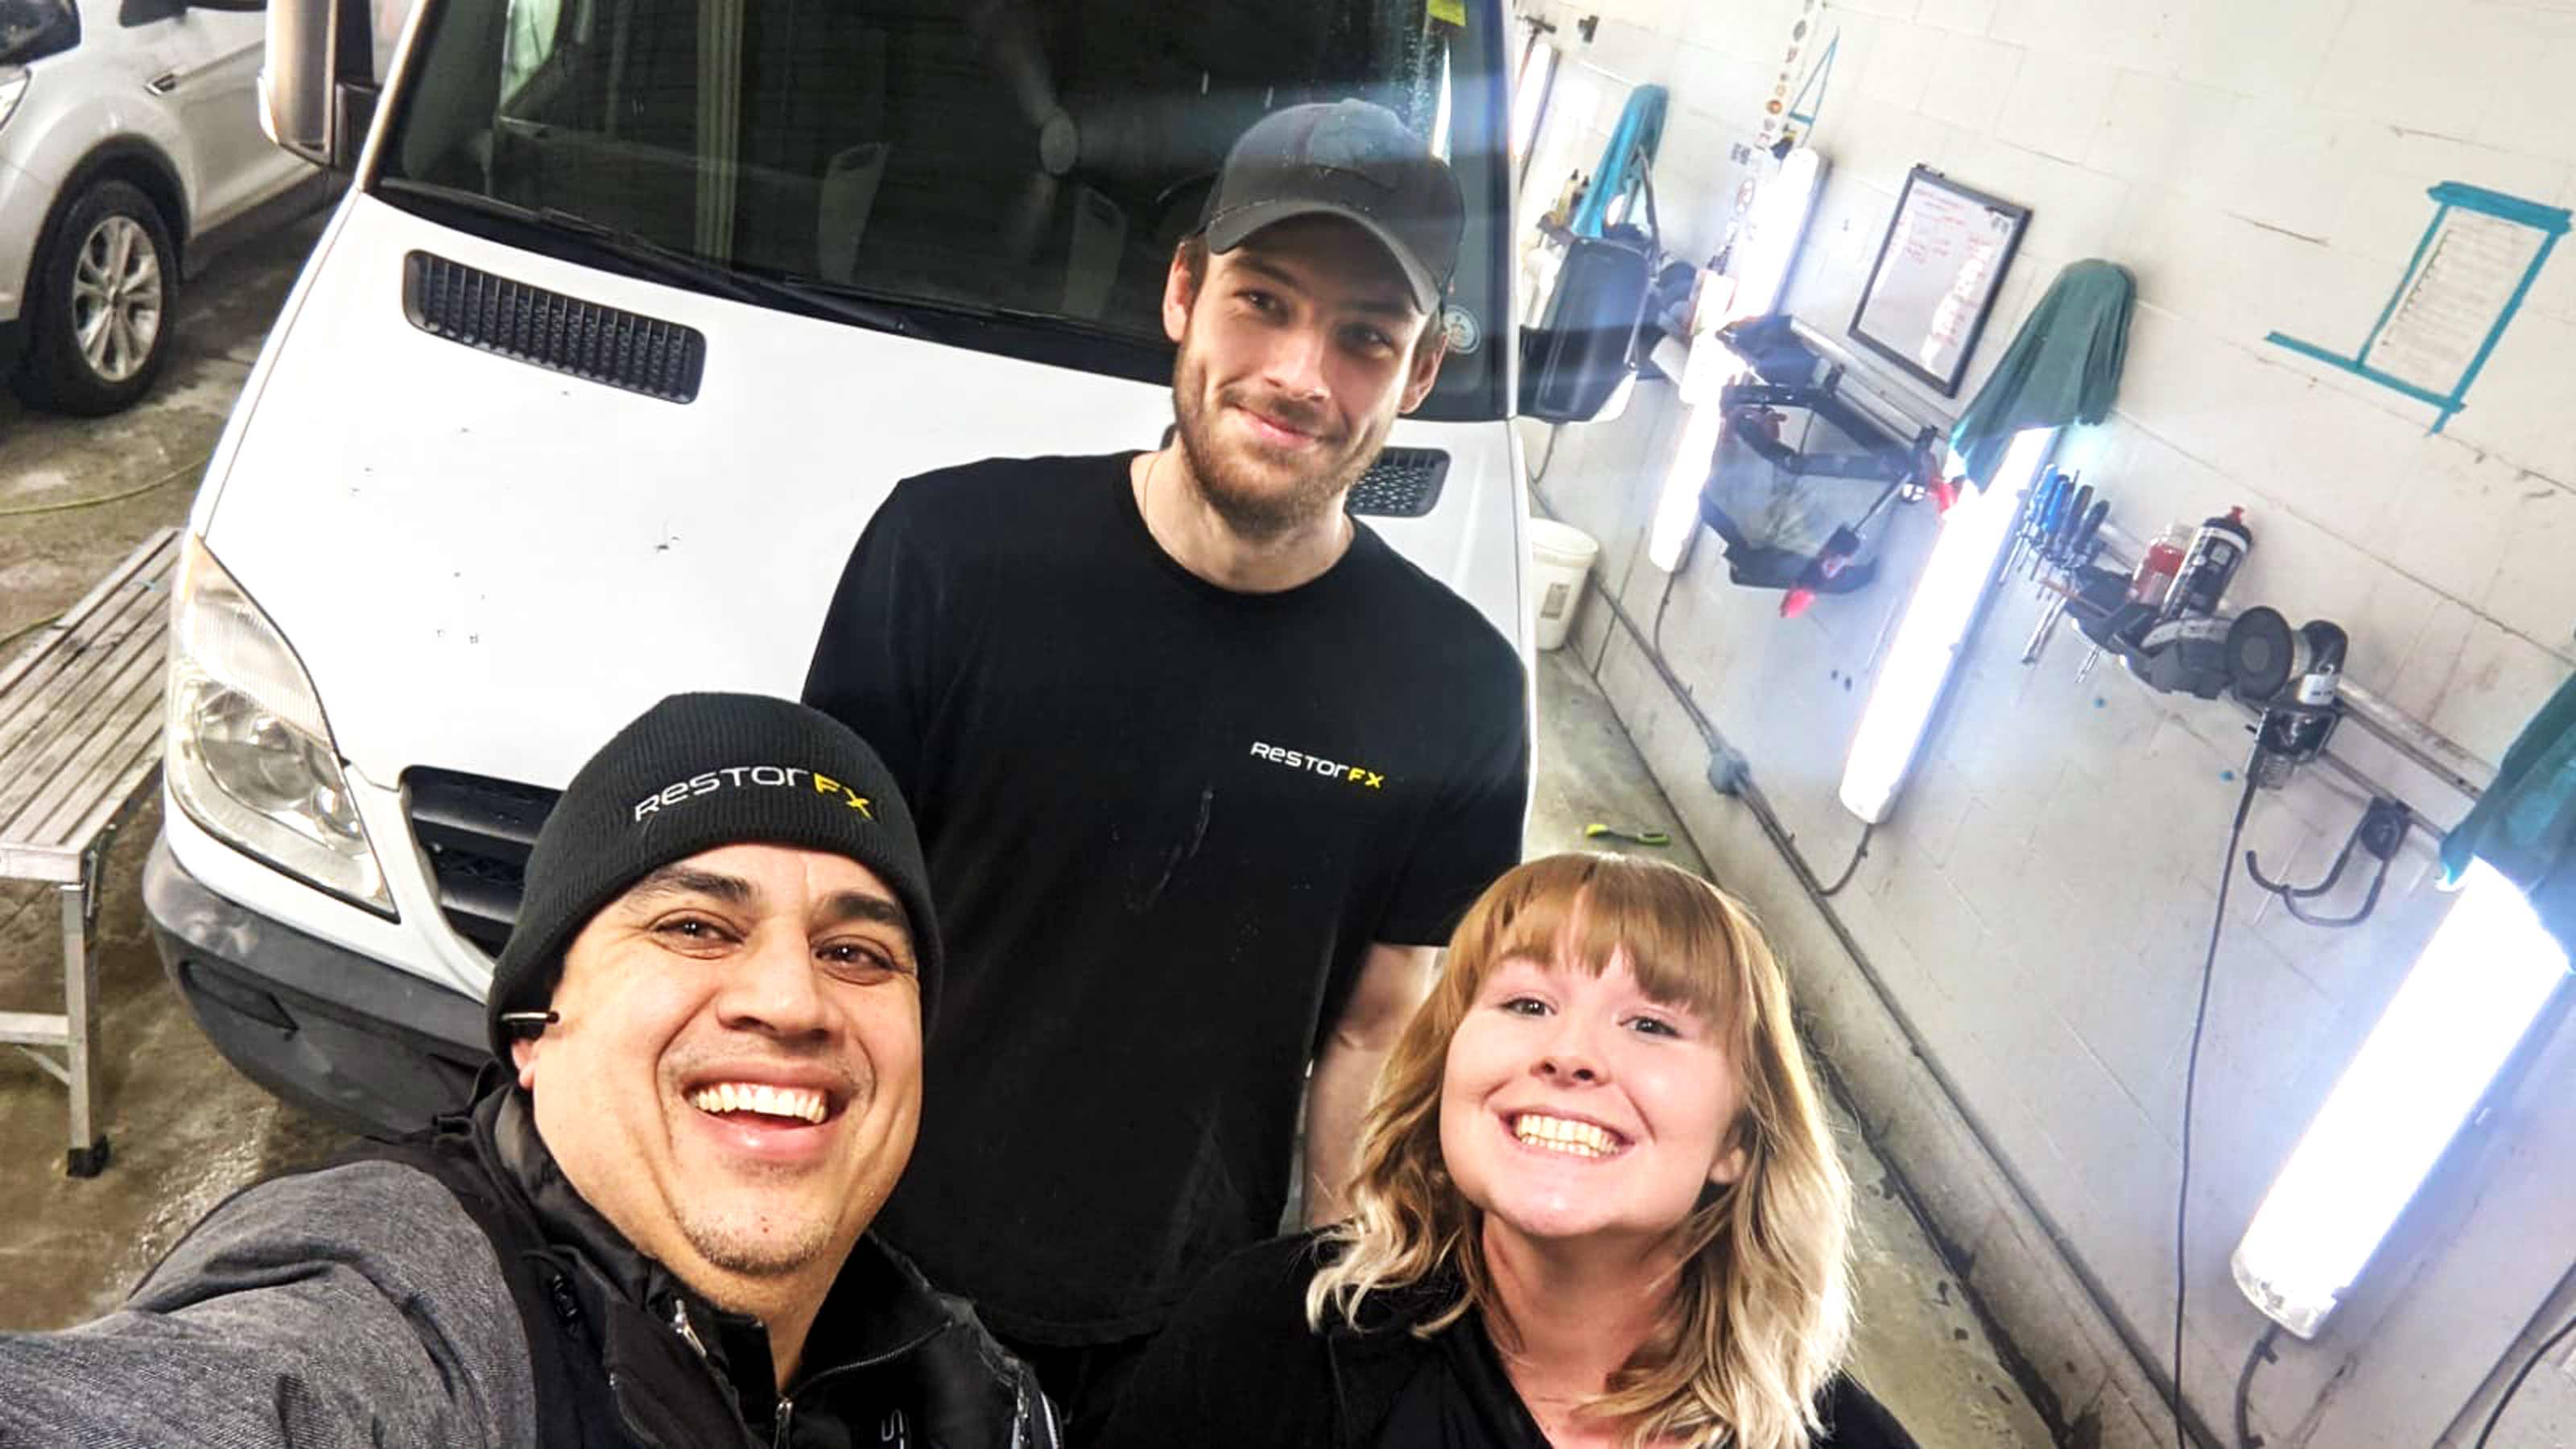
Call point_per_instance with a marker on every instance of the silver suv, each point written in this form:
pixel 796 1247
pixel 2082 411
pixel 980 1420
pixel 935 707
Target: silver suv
pixel 130 153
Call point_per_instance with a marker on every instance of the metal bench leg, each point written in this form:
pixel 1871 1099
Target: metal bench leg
pixel 88 1153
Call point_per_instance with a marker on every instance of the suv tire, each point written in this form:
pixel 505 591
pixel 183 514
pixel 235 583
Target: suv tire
pixel 101 303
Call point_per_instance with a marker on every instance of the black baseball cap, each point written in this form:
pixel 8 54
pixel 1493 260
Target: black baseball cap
pixel 1351 159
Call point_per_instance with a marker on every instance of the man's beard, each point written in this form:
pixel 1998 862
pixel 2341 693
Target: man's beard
pixel 761 1248
pixel 1252 508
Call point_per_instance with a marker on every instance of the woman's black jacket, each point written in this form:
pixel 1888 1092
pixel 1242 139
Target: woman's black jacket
pixel 1238 1366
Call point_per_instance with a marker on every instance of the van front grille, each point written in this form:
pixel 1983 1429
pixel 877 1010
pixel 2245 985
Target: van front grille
pixel 562 334
pixel 476 833
pixel 1402 483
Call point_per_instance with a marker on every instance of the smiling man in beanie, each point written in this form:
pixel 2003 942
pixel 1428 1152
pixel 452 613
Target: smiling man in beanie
pixel 651 1227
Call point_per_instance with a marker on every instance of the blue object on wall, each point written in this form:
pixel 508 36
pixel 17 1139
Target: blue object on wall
pixel 1818 78
pixel 2550 221
pixel 1625 159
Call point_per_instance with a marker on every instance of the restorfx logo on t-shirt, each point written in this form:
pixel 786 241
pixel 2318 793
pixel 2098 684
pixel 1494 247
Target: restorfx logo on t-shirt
pixel 1366 779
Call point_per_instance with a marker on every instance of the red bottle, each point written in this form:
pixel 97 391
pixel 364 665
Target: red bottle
pixel 2156 570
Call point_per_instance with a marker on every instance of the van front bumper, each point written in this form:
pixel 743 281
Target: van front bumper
pixel 347 1037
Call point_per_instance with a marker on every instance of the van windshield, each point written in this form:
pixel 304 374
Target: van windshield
pixel 1016 173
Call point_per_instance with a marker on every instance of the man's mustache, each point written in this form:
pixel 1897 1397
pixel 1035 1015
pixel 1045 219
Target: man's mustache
pixel 1304 417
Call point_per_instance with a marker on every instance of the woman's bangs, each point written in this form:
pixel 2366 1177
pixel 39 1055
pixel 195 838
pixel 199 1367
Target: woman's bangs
pixel 1673 928
pixel 1671 925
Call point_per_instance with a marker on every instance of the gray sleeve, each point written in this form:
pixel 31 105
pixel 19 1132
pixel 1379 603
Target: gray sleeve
pixel 353 1306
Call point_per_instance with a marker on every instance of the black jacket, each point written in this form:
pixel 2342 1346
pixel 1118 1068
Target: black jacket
pixel 1238 1366
pixel 627 1354
pixel 453 1290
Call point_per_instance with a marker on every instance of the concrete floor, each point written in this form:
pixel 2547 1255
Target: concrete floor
pixel 183 1128
pixel 187 1130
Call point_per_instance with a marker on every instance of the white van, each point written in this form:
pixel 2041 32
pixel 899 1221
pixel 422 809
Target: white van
pixel 633 311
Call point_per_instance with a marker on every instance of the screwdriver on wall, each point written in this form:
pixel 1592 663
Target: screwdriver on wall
pixel 2051 540
pixel 2062 542
pixel 2034 516
pixel 2051 517
pixel 2081 544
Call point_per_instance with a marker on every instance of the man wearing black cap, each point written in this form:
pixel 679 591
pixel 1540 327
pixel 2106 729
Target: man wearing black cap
pixel 1205 769
pixel 654 1233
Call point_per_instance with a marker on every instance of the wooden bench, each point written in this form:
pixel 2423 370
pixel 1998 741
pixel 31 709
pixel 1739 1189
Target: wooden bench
pixel 80 741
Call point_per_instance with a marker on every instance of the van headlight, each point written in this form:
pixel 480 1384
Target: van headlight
pixel 247 753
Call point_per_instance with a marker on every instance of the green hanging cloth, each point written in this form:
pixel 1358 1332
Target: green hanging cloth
pixel 2063 366
pixel 2525 823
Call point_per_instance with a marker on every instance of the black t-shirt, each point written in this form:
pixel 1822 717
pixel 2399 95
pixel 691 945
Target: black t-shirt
pixel 1164 822
pixel 1461 1398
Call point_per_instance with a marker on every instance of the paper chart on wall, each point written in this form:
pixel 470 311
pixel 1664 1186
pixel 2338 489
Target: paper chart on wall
pixel 1936 277
pixel 2472 267
pixel 2470 274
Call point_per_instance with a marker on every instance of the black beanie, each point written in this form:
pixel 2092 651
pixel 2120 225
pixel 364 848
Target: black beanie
pixel 693 773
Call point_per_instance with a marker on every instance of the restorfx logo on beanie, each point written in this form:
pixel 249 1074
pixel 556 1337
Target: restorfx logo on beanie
pixel 694 773
pixel 739 777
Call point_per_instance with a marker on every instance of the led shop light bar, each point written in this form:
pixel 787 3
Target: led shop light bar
pixel 2464 1006
pixel 1676 518
pixel 1937 620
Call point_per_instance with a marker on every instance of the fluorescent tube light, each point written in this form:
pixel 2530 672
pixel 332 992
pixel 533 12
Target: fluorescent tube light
pixel 1945 605
pixel 1773 231
pixel 2463 1008
pixel 1676 518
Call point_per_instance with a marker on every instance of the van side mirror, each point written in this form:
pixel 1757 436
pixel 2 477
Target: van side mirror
pixel 1573 365
pixel 317 84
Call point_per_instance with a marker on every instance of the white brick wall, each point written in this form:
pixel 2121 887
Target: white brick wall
pixel 2038 903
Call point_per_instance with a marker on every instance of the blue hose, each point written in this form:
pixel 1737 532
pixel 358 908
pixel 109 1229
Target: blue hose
pixel 1625 159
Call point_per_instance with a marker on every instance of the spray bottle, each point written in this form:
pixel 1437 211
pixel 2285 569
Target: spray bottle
pixel 2218 548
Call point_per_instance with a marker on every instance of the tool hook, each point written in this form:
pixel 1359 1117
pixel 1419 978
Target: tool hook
pixel 2381 830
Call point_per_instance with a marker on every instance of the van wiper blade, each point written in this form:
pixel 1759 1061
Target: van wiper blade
pixel 986 313
pixel 655 260
pixel 865 308
pixel 652 258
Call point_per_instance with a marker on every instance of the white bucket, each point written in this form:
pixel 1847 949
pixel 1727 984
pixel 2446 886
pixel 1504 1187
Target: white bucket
pixel 1560 558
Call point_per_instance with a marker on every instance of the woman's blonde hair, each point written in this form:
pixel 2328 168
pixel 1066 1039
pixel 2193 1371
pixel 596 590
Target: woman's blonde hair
pixel 1760 1315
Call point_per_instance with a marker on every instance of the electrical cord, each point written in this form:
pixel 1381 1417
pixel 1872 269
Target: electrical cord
pixel 1655 644
pixel 1539 474
pixel 1663 601
pixel 1858 851
pixel 2190 1084
pixel 21 632
pixel 164 481
pixel 2497 1413
pixel 2246 1438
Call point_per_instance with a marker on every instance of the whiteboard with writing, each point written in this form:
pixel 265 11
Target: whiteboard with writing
pixel 1936 277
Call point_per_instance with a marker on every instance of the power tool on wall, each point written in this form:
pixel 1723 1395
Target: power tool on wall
pixel 2162 619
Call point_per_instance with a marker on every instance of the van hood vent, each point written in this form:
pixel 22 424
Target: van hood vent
pixel 1402 483
pixel 562 334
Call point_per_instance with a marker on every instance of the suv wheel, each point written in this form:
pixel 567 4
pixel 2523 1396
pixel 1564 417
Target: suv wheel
pixel 100 304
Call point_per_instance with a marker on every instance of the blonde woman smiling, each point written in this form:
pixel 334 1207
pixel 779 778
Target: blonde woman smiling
pixel 1596 1204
